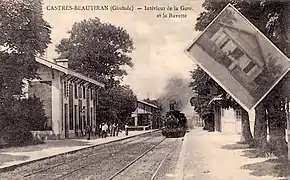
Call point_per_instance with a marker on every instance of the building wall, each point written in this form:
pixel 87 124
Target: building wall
pixel 231 122
pixel 56 104
pixel 82 110
pixel 143 110
pixel 56 97
pixel 47 88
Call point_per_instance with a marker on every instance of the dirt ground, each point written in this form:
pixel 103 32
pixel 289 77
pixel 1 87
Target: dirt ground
pixel 216 156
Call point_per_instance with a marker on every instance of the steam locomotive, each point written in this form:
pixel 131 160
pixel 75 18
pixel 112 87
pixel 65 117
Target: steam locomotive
pixel 175 124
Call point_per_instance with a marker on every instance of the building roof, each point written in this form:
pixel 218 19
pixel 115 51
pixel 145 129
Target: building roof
pixel 149 104
pixel 248 41
pixel 67 71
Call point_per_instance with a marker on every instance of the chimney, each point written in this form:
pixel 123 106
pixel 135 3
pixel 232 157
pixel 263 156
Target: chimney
pixel 62 62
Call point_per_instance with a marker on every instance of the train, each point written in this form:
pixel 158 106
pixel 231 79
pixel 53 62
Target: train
pixel 175 125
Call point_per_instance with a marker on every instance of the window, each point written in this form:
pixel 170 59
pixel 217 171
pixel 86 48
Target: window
pixel 80 118
pixel 219 38
pixel 84 92
pixel 65 115
pixel 237 53
pixel 226 61
pixel 238 114
pixel 91 94
pixel 71 124
pixel 76 90
pixel 224 43
pixel 84 116
pixel 91 115
pixel 249 67
pixel 65 88
pixel 80 92
pixel 76 116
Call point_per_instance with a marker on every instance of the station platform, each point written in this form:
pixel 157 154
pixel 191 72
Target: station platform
pixel 16 156
pixel 216 156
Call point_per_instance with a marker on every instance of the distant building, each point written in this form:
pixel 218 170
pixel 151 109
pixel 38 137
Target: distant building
pixel 69 99
pixel 228 120
pixel 145 115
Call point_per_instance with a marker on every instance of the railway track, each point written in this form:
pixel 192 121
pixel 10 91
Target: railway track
pixel 150 160
pixel 160 165
pixel 86 155
pixel 132 162
pixel 85 161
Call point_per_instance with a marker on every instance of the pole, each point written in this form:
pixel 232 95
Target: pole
pixel 288 126
pixel 96 109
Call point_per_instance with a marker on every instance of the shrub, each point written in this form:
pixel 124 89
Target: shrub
pixel 18 119
pixel 18 136
pixel 34 114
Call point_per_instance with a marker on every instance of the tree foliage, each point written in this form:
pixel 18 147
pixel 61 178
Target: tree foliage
pixel 20 117
pixel 116 104
pixel 33 113
pixel 24 34
pixel 98 50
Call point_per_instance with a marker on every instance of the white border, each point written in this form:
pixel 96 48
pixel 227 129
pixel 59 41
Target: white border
pixel 248 109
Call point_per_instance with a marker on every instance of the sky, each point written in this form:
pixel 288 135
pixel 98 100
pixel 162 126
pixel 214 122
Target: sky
pixel 159 42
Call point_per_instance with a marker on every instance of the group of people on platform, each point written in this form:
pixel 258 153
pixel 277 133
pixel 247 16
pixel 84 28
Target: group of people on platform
pixel 105 129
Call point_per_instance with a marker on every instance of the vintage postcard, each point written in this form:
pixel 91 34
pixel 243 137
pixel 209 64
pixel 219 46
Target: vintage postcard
pixel 239 57
pixel 123 89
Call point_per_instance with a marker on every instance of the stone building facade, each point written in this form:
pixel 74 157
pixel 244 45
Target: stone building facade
pixel 69 99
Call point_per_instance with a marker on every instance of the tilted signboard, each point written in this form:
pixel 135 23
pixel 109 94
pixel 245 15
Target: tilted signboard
pixel 239 57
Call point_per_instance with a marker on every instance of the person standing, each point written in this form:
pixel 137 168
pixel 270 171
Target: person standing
pixel 88 131
pixel 103 130
pixel 106 129
pixel 100 129
pixel 126 129
pixel 111 130
pixel 114 128
pixel 117 129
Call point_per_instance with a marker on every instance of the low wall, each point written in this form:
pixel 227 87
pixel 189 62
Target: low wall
pixel 138 128
pixel 45 135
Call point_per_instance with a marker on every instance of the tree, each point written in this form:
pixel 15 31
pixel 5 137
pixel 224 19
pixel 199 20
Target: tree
pixel 272 18
pixel 24 34
pixel 98 50
pixel 201 86
pixel 116 104
pixel 33 113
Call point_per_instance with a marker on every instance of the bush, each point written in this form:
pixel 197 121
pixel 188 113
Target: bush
pixel 18 119
pixel 34 114
pixel 18 135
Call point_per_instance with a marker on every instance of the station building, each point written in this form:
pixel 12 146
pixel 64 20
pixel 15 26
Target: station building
pixel 144 115
pixel 69 99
